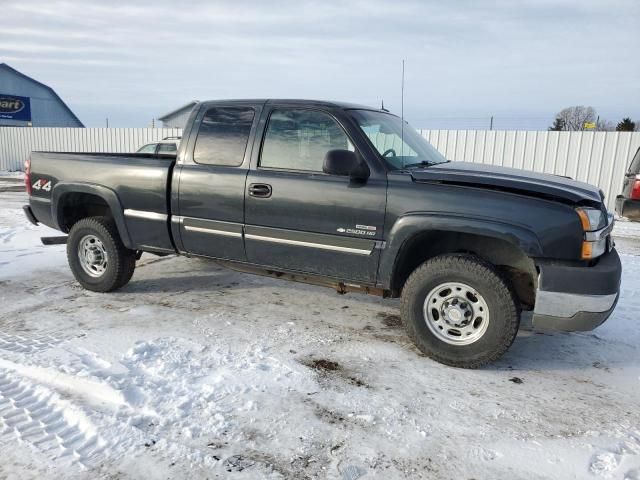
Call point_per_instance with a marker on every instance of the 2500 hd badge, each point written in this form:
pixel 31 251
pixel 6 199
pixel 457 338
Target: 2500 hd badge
pixel 359 230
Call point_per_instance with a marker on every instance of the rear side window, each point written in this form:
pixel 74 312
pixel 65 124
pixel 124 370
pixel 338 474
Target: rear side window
pixel 223 136
pixel 299 140
pixel 167 148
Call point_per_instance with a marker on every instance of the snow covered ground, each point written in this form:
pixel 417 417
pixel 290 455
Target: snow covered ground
pixel 6 174
pixel 193 371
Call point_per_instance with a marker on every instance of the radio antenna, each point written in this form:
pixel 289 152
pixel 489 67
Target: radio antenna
pixel 402 112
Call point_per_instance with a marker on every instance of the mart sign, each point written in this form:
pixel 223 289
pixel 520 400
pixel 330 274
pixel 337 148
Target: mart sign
pixel 14 107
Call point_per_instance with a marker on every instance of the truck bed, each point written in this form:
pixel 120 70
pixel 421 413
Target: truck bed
pixel 135 186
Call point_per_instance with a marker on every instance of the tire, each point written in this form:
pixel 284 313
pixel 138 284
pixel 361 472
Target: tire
pixel 441 328
pixel 108 264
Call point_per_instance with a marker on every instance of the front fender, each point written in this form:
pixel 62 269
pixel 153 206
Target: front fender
pixel 106 194
pixel 410 225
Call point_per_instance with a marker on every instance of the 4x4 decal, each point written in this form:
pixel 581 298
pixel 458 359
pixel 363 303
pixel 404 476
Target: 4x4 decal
pixel 42 184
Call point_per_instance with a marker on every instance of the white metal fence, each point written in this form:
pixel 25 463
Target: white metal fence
pixel 17 142
pixel 599 158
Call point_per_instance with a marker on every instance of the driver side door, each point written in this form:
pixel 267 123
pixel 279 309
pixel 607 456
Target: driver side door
pixel 298 218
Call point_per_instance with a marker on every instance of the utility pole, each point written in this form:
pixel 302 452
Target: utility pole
pixel 107 119
pixel 402 113
pixel 491 123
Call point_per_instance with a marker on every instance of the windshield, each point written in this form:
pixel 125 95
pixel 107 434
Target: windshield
pixel 149 148
pixel 400 147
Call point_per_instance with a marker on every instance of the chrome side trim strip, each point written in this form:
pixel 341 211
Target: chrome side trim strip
pixel 565 305
pixel 128 212
pixel 212 227
pixel 212 231
pixel 321 246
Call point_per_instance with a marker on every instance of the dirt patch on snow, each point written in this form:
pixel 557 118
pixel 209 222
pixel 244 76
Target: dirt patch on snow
pixel 323 365
pixel 328 370
pixel 390 320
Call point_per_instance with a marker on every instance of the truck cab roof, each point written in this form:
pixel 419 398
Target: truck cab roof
pixel 296 102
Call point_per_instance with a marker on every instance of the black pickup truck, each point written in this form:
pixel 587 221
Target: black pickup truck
pixel 349 197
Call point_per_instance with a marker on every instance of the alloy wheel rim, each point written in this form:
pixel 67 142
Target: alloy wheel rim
pixel 456 313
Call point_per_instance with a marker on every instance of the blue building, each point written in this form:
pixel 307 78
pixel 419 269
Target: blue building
pixel 25 102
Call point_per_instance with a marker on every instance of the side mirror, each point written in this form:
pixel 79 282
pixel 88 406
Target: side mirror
pixel 345 163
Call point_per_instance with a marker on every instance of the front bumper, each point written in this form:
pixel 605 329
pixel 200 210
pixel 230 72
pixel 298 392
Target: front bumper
pixel 625 207
pixel 577 298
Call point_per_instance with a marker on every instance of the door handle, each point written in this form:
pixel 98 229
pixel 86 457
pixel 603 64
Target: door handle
pixel 260 190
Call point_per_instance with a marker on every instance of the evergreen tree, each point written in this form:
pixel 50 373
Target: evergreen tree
pixel 626 125
pixel 558 125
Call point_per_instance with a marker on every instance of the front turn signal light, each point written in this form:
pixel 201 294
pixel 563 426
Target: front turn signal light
pixel 591 250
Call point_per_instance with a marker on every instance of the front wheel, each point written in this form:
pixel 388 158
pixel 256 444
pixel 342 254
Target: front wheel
pixel 459 311
pixel 97 256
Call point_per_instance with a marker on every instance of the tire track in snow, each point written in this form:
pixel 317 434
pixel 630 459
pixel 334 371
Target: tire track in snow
pixel 28 343
pixel 37 416
pixel 7 235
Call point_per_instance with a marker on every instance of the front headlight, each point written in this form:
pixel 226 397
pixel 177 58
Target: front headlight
pixel 591 218
pixel 594 244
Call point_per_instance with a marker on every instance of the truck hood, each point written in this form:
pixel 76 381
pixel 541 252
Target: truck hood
pixel 509 179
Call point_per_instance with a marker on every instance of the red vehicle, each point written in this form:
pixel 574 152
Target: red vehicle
pixel 628 203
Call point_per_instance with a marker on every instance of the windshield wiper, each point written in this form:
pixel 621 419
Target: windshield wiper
pixel 424 163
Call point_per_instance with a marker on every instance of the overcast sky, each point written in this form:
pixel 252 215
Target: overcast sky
pixel 521 61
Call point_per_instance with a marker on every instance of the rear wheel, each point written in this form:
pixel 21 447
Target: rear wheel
pixel 97 256
pixel 459 311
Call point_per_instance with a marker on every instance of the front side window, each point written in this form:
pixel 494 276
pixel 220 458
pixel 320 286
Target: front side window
pixel 223 136
pixel 298 139
pixel 149 148
pixel 399 144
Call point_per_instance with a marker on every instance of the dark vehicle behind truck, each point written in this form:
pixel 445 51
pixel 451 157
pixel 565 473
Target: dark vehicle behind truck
pixel 349 197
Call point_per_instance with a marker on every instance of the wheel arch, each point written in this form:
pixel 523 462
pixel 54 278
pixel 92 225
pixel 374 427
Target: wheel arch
pixel 71 202
pixel 415 239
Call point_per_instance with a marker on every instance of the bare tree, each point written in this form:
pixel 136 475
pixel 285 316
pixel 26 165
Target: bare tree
pixel 574 118
pixel 605 126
